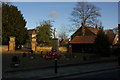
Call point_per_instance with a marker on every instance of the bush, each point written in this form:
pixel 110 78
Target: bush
pixel 15 59
pixel 24 55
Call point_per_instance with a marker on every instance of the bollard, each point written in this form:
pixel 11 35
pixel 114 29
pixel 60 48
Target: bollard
pixel 56 65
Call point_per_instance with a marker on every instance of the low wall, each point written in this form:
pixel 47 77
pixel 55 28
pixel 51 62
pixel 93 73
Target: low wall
pixel 43 48
pixel 61 49
pixel 4 48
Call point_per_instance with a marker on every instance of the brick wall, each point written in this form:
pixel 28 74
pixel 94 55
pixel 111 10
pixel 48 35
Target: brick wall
pixel 61 49
pixel 43 48
pixel 4 48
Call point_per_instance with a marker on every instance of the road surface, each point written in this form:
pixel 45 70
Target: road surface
pixel 102 75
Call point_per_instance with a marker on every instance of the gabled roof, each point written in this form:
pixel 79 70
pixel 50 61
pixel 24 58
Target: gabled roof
pixel 82 39
pixel 31 31
pixel 94 30
pixel 88 31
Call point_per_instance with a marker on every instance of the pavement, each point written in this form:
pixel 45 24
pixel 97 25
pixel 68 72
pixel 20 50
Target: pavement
pixel 48 73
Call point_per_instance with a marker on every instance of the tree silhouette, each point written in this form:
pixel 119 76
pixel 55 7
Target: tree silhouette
pixel 13 24
pixel 102 44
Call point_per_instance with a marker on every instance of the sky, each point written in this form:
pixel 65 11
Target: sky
pixel 118 13
pixel 60 12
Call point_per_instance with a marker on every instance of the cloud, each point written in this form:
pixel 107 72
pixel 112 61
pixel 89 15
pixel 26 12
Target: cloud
pixel 54 14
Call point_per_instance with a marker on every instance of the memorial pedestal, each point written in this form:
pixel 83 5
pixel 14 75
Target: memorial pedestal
pixel 55 44
pixel 33 43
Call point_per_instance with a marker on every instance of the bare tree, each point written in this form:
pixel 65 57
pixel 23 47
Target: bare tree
pixel 63 34
pixel 115 30
pixel 86 13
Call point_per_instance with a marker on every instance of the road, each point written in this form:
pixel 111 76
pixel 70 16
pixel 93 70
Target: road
pixel 102 75
pixel 62 71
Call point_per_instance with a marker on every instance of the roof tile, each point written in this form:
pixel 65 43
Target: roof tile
pixel 82 39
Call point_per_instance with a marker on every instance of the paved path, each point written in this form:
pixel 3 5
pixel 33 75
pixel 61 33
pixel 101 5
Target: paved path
pixel 62 71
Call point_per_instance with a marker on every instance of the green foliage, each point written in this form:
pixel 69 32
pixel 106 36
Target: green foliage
pixel 63 34
pixel 44 32
pixel 102 44
pixel 13 24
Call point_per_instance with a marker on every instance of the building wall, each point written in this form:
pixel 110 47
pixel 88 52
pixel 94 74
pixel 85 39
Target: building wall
pixel 119 32
pixel 82 48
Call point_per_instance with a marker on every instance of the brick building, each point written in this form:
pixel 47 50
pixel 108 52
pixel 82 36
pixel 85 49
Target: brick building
pixel 32 34
pixel 83 39
pixel 117 45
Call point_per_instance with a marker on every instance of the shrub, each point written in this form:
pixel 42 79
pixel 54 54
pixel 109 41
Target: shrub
pixel 15 59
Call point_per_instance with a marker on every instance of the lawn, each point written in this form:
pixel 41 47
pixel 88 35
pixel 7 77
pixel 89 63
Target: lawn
pixel 38 61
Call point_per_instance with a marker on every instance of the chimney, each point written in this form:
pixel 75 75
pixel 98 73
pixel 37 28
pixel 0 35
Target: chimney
pixel 96 26
pixel 83 29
